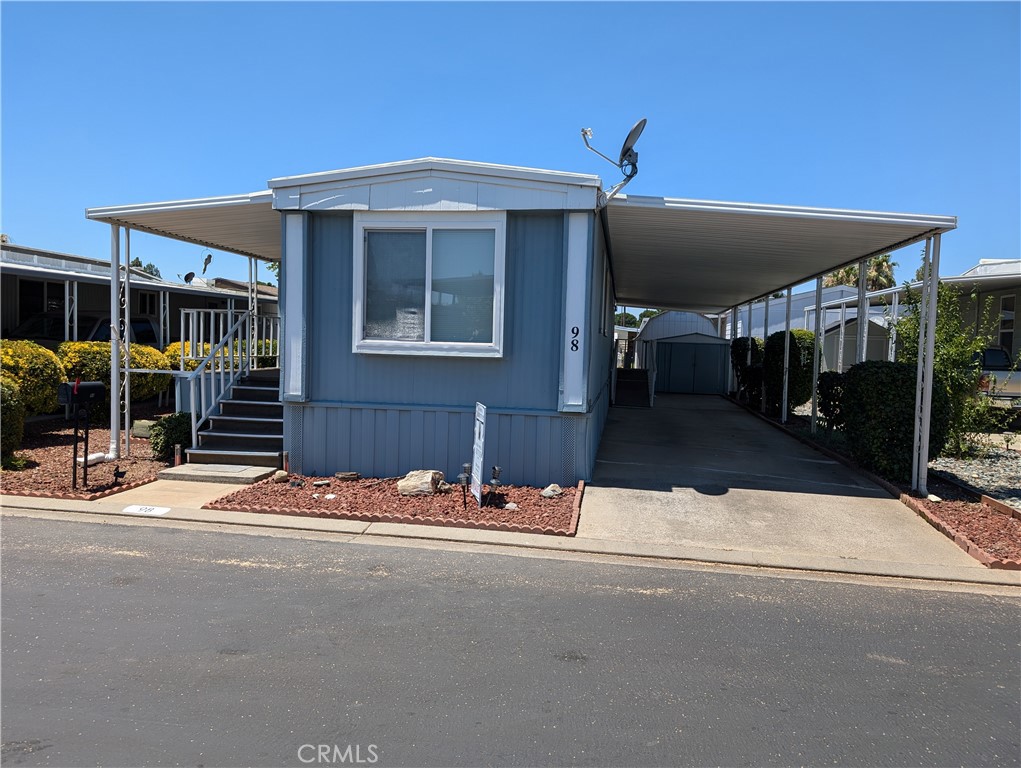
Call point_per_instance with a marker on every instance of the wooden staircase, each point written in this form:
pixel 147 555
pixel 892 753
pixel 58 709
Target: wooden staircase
pixel 249 430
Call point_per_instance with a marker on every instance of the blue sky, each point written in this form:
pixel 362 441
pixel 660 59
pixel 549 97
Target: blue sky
pixel 887 106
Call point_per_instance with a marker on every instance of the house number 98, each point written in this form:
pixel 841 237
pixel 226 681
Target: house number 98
pixel 574 338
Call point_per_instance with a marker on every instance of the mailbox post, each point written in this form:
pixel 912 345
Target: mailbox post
pixel 80 395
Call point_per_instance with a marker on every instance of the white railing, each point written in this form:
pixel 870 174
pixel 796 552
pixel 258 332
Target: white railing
pixel 217 372
pixel 202 328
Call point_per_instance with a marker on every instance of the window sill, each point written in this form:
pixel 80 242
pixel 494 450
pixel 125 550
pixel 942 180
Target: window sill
pixel 427 349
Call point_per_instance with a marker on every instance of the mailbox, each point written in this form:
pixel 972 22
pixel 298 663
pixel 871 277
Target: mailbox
pixel 84 393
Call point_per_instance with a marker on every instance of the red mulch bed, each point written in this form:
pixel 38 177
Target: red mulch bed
pixel 372 500
pixel 47 448
pixel 993 532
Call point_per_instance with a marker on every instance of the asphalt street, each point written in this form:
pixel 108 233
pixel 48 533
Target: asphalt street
pixel 148 645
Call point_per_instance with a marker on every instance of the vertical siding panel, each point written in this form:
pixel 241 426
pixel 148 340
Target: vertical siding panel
pixel 367 442
pixel 518 452
pixel 333 438
pixel 416 440
pixel 529 464
pixel 386 443
pixel 344 459
pixel 543 457
pixel 399 423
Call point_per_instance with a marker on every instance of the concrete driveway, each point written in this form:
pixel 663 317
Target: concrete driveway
pixel 699 471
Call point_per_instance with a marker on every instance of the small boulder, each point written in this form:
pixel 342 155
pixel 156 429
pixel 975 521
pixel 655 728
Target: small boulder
pixel 280 476
pixel 420 482
pixel 551 490
pixel 510 506
pixel 347 476
pixel 320 483
pixel 330 496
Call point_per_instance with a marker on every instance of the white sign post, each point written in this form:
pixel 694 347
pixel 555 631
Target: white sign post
pixel 478 452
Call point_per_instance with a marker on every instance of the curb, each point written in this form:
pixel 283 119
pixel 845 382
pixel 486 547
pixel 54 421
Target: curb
pixel 975 551
pixel 444 522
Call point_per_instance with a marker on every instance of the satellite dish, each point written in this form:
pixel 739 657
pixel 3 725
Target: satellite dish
pixel 628 156
pixel 628 162
pixel 189 277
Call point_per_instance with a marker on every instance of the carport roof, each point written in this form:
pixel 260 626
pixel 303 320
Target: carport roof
pixel 708 256
pixel 670 253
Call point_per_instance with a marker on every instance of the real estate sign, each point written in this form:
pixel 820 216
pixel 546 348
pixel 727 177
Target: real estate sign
pixel 478 452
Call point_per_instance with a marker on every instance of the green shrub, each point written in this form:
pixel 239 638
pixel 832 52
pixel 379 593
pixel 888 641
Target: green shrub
pixel 830 391
pixel 739 361
pixel 91 361
pixel 879 398
pixel 12 417
pixel 170 431
pixel 173 353
pixel 37 372
pixel 799 381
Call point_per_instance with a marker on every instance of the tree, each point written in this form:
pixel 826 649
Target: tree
pixel 149 268
pixel 649 313
pixel 626 319
pixel 879 276
pixel 957 350
pixel 273 267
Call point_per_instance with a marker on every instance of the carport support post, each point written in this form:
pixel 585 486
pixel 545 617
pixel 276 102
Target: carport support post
pixel 748 361
pixel 115 352
pixel 732 386
pixel 816 352
pixel 863 312
pixel 930 288
pixel 840 337
pixel 786 357
pixel 765 337
pixel 892 326
pixel 127 343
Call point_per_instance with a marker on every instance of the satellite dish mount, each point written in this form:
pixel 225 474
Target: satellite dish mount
pixel 628 162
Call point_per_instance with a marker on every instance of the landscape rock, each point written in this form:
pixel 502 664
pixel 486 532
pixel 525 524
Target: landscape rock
pixel 347 476
pixel 330 496
pixel 141 427
pixel 551 491
pixel 280 476
pixel 320 483
pixel 511 506
pixel 420 482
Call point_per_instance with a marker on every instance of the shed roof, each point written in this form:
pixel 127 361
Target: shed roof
pixel 670 253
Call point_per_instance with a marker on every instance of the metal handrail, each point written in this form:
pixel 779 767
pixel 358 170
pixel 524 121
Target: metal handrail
pixel 205 379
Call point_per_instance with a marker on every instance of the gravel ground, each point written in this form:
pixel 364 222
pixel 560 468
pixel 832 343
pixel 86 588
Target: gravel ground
pixel 996 533
pixel 996 474
pixel 371 498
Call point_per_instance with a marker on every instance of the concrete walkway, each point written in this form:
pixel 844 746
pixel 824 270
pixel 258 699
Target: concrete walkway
pixel 701 471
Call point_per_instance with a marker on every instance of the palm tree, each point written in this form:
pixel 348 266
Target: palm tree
pixel 878 277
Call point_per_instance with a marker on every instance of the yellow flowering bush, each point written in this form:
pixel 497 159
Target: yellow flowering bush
pixel 91 361
pixel 12 417
pixel 36 371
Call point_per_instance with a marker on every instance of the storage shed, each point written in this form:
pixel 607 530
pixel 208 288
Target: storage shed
pixel 690 356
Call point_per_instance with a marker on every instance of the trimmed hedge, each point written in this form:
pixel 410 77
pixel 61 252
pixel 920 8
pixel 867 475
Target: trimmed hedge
pixel 36 371
pixel 12 417
pixel 749 377
pixel 169 431
pixel 799 374
pixel 879 400
pixel 173 353
pixel 831 394
pixel 91 361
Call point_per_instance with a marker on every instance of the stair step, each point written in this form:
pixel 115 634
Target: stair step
pixel 247 424
pixel 241 441
pixel 251 409
pixel 256 393
pixel 234 456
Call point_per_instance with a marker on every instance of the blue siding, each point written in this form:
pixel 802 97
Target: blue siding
pixel 385 415
pixel 532 448
pixel 527 376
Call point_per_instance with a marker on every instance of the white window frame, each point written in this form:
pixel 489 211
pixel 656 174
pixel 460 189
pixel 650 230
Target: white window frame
pixel 428 221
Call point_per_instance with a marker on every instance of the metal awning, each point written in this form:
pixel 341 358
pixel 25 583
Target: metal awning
pixel 709 256
pixel 244 224
pixel 669 253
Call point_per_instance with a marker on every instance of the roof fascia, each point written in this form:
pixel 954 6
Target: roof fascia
pixel 487 170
